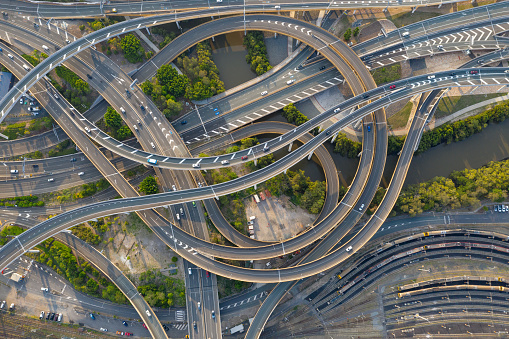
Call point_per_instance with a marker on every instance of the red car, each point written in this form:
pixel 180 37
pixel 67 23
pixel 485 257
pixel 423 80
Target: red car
pixel 208 274
pixel 128 334
pixel 392 86
pixel 244 157
pixel 474 72
pixel 145 326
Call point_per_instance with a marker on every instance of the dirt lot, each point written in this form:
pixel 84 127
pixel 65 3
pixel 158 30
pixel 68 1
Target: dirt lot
pixel 277 218
pixel 136 249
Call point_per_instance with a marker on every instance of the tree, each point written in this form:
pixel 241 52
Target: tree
pixel 149 186
pixel 347 35
pixel 131 46
pixel 124 132
pixel 173 108
pixel 356 31
pixel 147 87
pixel 112 118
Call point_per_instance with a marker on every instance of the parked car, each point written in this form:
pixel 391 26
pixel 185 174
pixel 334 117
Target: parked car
pixel 92 316
pixel 42 315
pixel 125 323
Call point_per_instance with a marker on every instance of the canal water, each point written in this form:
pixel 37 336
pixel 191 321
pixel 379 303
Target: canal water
pixel 229 55
pixel 492 144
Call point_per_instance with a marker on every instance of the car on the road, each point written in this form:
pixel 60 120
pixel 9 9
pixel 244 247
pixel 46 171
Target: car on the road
pixel 125 323
pixel 152 144
pixel 68 41
pixel 431 77
pixel 139 122
pixel 266 149
pixel 92 316
pixel 73 159
pixel 181 211
pixel 10 56
pixel 217 112
pixel 136 128
pixel 144 326
pixel 122 110
pixel 89 76
pixel 199 306
pixel 183 122
pixel 474 72
pixel 322 68
pixel 194 325
pixel 194 204
pixel 244 157
pixel 213 315
pixel 225 162
pixel 196 165
pixel 51 180
pixel 121 333
pixel 173 187
pixel 289 82
pixel 365 96
pixel 337 110
pixel 264 93
pixel 87 129
pixel 392 86
pixel 189 270
pixel 369 128
pixel 142 107
pixel 21 101
pixel 44 289
pixel 104 329
pixel 207 274
pixel 496 208
pixel 128 334
pixel 362 206
pixel 178 216
pixel 166 328
pixel 147 312
pixel 42 315
pixel 81 173
pixel 349 248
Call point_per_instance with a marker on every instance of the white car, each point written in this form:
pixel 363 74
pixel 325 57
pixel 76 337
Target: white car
pixel 178 216
pixel 264 92
pixel 51 180
pixel 337 110
pixel 21 101
pixel 81 173
pixel 225 162
pixel 196 165
pixel 87 129
pixel 152 144
pixel 104 329
pixel 173 187
pixel 289 82
pixel 42 315
pixel 189 270
pixel 362 206
pixel 148 313
pixel 44 289
pixel 349 248
pixel 2 305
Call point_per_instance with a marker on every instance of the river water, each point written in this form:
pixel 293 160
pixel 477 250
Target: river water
pixel 492 144
pixel 229 55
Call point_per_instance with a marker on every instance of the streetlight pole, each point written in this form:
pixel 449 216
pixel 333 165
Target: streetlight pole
pixel 5 171
pixel 199 116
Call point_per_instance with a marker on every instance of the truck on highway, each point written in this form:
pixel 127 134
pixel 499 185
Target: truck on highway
pixel 237 329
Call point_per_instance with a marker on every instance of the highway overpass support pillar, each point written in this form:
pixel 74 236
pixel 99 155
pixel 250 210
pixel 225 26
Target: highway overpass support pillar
pixel 178 25
pixel 310 155
pixel 256 162
pixel 333 138
pixel 255 186
pixel 414 9
pixel 290 147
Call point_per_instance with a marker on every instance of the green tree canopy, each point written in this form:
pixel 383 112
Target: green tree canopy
pixel 112 118
pixel 149 186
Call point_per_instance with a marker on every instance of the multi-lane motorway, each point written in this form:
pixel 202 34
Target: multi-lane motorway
pixel 189 238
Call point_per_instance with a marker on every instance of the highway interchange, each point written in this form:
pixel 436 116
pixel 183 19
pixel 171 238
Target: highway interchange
pixel 185 241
